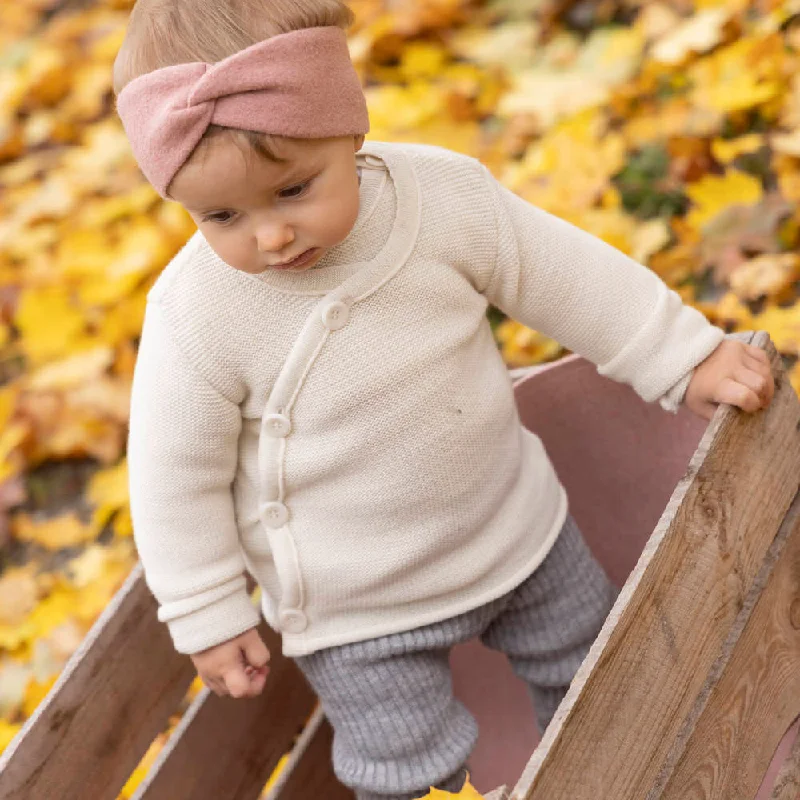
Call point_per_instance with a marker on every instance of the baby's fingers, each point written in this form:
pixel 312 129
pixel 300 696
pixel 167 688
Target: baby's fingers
pixel 756 380
pixel 237 683
pixel 736 393
pixel 764 369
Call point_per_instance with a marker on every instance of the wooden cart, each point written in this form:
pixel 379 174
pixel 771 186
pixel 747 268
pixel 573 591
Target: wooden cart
pixel 688 692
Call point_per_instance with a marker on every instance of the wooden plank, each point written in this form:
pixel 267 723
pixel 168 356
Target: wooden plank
pixel 753 692
pixel 615 729
pixel 309 772
pixel 226 747
pixel 497 794
pixel 787 784
pixel 112 698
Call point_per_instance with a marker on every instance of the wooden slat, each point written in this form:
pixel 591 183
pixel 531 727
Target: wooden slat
pixel 787 784
pixel 728 743
pixel 112 698
pixel 615 729
pixel 226 747
pixel 308 772
pixel 497 794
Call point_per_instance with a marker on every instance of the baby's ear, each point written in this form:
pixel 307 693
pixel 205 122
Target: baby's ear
pixel 359 141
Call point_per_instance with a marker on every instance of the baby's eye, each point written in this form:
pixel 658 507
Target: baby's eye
pixel 222 218
pixel 295 191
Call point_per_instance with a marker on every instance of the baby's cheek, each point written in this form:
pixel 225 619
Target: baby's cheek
pixel 347 216
pixel 233 252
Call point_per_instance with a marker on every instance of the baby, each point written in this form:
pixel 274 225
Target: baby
pixel 319 401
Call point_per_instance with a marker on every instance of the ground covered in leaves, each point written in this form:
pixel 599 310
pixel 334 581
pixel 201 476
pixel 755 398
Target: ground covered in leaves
pixel 669 129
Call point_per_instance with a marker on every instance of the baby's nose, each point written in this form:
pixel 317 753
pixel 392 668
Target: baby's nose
pixel 272 238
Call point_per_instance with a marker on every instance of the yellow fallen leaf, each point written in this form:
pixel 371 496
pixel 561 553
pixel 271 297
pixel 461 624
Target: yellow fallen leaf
pixel 739 93
pixel 87 567
pixel 770 275
pixel 698 34
pixel 788 143
pixel 276 773
pixel 783 326
pixel 62 531
pixel 726 150
pixel 103 397
pixel 715 193
pixel 794 377
pixel 649 238
pixel 91 84
pixel 11 437
pixel 8 730
pixel 143 767
pixel 729 310
pixel 468 792
pixel 422 60
pixel 19 594
pixel 108 492
pixel 75 370
pixel 746 73
pixel 35 692
pixel 46 76
pixel 522 347
pixel 123 523
pixel 48 321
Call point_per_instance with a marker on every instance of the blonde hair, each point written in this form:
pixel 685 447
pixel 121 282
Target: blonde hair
pixel 161 33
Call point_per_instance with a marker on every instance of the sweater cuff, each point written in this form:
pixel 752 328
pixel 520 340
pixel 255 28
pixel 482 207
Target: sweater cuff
pixel 214 624
pixel 673 397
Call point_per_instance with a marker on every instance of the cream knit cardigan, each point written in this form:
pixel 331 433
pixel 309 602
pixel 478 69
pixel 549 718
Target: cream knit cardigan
pixel 349 435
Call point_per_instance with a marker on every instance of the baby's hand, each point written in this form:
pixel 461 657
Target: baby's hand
pixel 237 667
pixel 735 373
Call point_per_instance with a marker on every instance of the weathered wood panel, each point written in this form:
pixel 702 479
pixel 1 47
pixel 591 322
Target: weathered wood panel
pixel 616 727
pixel 112 698
pixel 787 784
pixel 753 692
pixel 226 747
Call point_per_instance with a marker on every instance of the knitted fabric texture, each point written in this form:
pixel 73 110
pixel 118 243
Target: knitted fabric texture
pixel 300 84
pixel 349 434
pixel 398 729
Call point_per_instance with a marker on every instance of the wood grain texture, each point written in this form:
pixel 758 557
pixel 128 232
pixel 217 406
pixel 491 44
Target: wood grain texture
pixel 112 698
pixel 226 747
pixel 753 693
pixel 787 783
pixel 615 729
pixel 309 772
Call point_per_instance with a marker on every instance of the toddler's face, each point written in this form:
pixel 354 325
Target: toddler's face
pixel 258 215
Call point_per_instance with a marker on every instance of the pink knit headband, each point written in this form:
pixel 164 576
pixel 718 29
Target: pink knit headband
pixel 300 84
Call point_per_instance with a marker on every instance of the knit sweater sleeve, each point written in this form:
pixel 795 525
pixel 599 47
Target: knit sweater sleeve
pixel 593 299
pixel 182 455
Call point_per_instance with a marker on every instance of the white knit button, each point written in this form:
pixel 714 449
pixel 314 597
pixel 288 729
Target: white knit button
pixel 292 620
pixel 274 515
pixel 335 315
pixel 277 426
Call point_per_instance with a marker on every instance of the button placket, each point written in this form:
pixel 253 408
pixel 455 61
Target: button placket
pixel 277 425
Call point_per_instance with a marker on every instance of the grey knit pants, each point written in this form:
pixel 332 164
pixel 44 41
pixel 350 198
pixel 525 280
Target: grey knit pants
pixel 397 727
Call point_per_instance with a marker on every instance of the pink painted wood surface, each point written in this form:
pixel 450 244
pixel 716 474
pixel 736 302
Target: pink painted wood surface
pixel 619 460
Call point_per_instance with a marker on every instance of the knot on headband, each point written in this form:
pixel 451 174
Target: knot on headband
pixel 300 84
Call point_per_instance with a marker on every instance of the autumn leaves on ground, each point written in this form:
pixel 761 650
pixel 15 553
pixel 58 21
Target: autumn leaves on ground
pixel 669 129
